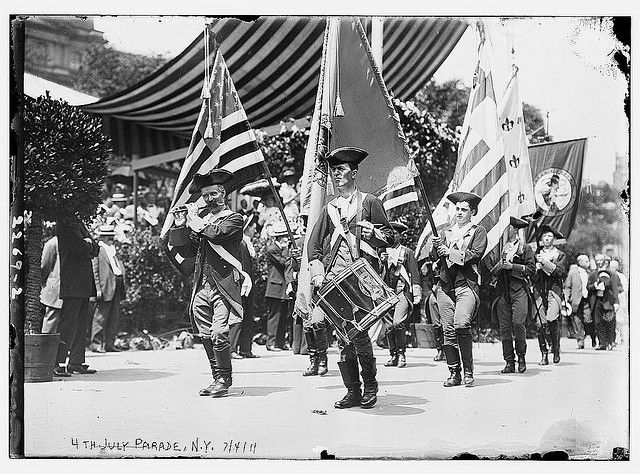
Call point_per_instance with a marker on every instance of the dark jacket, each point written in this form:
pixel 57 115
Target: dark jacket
pixel 227 232
pixel 276 263
pixel 76 271
pixel 554 282
pixel 524 267
pixel 476 245
pixel 610 293
pixel 392 274
pixel 319 244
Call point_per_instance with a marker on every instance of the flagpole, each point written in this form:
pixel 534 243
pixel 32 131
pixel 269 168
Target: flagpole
pixel 427 205
pixel 278 203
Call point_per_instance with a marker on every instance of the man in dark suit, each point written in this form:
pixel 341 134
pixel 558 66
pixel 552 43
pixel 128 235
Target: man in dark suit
pixel 462 245
pixel 111 280
pixel 513 271
pixel 352 225
pixel 603 299
pixel 76 248
pixel 277 253
pixel 219 282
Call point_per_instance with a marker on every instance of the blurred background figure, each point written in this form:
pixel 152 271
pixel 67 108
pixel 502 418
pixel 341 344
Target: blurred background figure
pixel 50 278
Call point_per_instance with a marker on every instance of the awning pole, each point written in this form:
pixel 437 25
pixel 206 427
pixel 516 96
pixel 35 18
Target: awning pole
pixel 377 30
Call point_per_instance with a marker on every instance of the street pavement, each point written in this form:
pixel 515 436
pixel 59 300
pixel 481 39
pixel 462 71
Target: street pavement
pixel 145 404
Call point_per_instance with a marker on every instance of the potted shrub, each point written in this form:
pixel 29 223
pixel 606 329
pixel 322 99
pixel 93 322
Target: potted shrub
pixel 65 163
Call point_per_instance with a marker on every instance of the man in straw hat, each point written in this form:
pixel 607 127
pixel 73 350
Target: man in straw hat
pixel 351 225
pixel 400 272
pixel 551 268
pixel 462 246
pixel 513 271
pixel 110 271
pixel 219 281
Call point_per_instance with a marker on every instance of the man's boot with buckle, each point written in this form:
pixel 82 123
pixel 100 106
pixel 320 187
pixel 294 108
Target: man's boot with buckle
pixel 509 368
pixel 208 348
pixel 349 372
pixel 452 356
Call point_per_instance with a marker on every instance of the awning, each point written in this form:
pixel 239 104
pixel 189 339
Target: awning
pixel 35 86
pixel 275 64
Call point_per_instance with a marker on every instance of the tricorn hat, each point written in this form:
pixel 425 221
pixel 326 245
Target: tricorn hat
pixel 471 198
pixel 518 223
pixel 213 177
pixel 398 226
pixel 549 228
pixel 346 154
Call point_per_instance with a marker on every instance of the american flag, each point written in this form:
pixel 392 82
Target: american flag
pixel 481 166
pixel 396 195
pixel 222 138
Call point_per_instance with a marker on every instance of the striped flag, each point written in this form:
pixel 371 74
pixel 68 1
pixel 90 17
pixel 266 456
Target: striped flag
pixel 481 166
pixel 353 108
pixel 223 139
pixel 516 152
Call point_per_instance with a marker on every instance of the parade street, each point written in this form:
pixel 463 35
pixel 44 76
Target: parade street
pixel 146 404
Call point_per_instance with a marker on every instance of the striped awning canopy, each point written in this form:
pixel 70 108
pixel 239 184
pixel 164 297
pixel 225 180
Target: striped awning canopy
pixel 275 66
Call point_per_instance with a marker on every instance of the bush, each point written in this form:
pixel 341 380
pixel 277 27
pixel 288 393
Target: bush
pixel 157 295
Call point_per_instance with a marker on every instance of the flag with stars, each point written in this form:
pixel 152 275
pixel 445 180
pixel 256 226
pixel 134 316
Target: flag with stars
pixel 223 139
pixel 481 166
pixel 516 152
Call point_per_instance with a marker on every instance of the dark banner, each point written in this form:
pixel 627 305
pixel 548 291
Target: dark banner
pixel 556 168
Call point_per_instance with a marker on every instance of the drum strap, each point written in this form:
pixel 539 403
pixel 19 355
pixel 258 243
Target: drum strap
pixel 341 234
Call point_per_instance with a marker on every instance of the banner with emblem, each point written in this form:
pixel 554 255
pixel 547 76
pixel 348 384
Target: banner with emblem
pixel 521 199
pixel 557 176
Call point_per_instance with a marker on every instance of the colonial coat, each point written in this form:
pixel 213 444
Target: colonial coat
pixel 223 229
pixel 474 243
pixel 524 267
pixel 325 239
pixel 401 272
pixel 551 277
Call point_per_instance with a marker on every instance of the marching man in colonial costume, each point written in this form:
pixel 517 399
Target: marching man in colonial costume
pixel 351 225
pixel 551 268
pixel 219 281
pixel 513 271
pixel 462 246
pixel 400 271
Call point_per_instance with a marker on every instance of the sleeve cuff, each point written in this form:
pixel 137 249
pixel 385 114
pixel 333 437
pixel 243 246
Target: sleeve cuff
pixel 316 268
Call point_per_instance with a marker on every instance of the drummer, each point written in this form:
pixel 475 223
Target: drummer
pixel 352 224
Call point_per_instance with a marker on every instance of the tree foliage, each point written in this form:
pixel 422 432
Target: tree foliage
pixel 105 71
pixel 154 287
pixel 66 156
pixel 284 150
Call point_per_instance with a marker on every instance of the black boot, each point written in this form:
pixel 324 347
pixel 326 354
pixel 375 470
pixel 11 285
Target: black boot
pixel 368 372
pixel 223 382
pixel 313 365
pixel 509 368
pixel 349 372
pixel 321 357
pixel 393 348
pixel 208 348
pixel 452 355
pixel 402 360
pixel 522 364
pixel 466 352
pixel 555 332
pixel 438 335
pixel 393 361
pixel 440 355
pixel 507 351
pixel 545 359
pixel 401 341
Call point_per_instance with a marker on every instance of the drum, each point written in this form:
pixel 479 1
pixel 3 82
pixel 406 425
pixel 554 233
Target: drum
pixel 355 299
